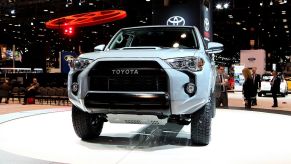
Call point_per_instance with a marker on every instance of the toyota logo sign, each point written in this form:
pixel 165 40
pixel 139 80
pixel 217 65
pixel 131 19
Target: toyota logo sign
pixel 176 21
pixel 206 24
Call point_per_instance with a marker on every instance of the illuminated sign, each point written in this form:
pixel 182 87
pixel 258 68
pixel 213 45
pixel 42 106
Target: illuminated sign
pixel 86 19
pixel 176 21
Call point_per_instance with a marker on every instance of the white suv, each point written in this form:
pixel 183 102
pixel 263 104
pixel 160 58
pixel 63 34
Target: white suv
pixel 146 75
pixel 266 86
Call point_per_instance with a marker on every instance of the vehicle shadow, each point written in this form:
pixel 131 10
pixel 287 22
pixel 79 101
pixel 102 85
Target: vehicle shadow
pixel 151 136
pixel 274 111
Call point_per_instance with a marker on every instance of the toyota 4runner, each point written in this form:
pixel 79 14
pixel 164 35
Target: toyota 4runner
pixel 146 75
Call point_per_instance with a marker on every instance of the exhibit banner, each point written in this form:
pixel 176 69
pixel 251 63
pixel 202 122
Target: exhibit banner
pixel 254 58
pixel 189 13
pixel 238 77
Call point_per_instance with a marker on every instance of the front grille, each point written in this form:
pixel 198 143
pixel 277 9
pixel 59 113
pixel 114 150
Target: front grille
pixel 136 76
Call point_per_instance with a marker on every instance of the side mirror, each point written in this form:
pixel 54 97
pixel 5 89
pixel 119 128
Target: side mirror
pixel 214 47
pixel 99 47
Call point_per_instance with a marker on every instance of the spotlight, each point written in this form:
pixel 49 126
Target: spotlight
pixel 226 5
pixel 218 6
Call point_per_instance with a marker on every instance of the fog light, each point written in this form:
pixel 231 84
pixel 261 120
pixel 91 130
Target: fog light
pixel 75 87
pixel 190 88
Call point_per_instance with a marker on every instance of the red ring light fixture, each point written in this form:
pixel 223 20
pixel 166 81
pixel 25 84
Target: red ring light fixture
pixel 86 19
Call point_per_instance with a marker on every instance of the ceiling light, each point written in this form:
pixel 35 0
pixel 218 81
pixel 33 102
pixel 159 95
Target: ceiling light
pixel 7 15
pixel 284 20
pixel 12 11
pixel 274 26
pixel 148 0
pixel 238 23
pixel 283 12
pixel 183 35
pixel 52 12
pixel 218 6
pixel 244 28
pixel 271 3
pixel 287 31
pixel 261 4
pixel 31 23
pixel 45 10
pixel 226 5
pixel 286 26
pixel 13 16
pixel 230 16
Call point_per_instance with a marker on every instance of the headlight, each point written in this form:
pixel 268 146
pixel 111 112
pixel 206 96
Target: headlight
pixel 187 63
pixel 80 63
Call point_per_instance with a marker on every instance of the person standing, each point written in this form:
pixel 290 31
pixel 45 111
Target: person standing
pixel 5 91
pixel 275 87
pixel 32 90
pixel 257 82
pixel 221 88
pixel 248 88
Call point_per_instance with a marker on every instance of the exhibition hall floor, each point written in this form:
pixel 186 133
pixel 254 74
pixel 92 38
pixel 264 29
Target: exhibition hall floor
pixel 238 136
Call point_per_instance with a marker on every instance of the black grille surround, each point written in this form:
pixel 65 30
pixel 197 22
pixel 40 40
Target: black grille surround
pixel 128 76
pixel 120 84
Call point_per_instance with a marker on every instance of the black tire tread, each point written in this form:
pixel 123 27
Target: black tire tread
pixel 201 125
pixel 82 124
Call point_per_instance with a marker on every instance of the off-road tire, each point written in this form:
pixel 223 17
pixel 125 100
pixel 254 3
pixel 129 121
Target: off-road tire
pixel 201 125
pixel 213 105
pixel 87 126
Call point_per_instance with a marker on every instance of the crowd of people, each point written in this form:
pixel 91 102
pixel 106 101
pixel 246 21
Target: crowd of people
pixel 250 87
pixel 30 91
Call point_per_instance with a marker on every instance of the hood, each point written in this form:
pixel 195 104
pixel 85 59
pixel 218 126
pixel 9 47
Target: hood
pixel 141 53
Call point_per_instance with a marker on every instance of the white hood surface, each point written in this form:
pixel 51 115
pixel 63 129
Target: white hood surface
pixel 141 53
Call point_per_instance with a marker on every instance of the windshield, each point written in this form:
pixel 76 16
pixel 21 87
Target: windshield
pixel 161 37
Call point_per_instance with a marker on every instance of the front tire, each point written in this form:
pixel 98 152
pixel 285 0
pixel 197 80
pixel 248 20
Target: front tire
pixel 201 125
pixel 87 126
pixel 213 105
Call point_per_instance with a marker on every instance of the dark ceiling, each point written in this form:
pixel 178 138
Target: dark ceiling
pixel 264 21
pixel 267 22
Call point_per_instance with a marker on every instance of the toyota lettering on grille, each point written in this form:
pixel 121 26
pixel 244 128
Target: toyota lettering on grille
pixel 124 72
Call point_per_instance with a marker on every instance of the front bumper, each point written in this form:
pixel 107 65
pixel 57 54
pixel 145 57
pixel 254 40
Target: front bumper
pixel 173 100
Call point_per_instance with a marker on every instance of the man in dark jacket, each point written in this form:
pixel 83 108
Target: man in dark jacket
pixel 257 83
pixel 5 89
pixel 275 87
pixel 221 88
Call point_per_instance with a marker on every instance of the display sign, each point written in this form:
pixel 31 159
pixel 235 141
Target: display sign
pixel 206 20
pixel 7 54
pixel 254 58
pixel 188 13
